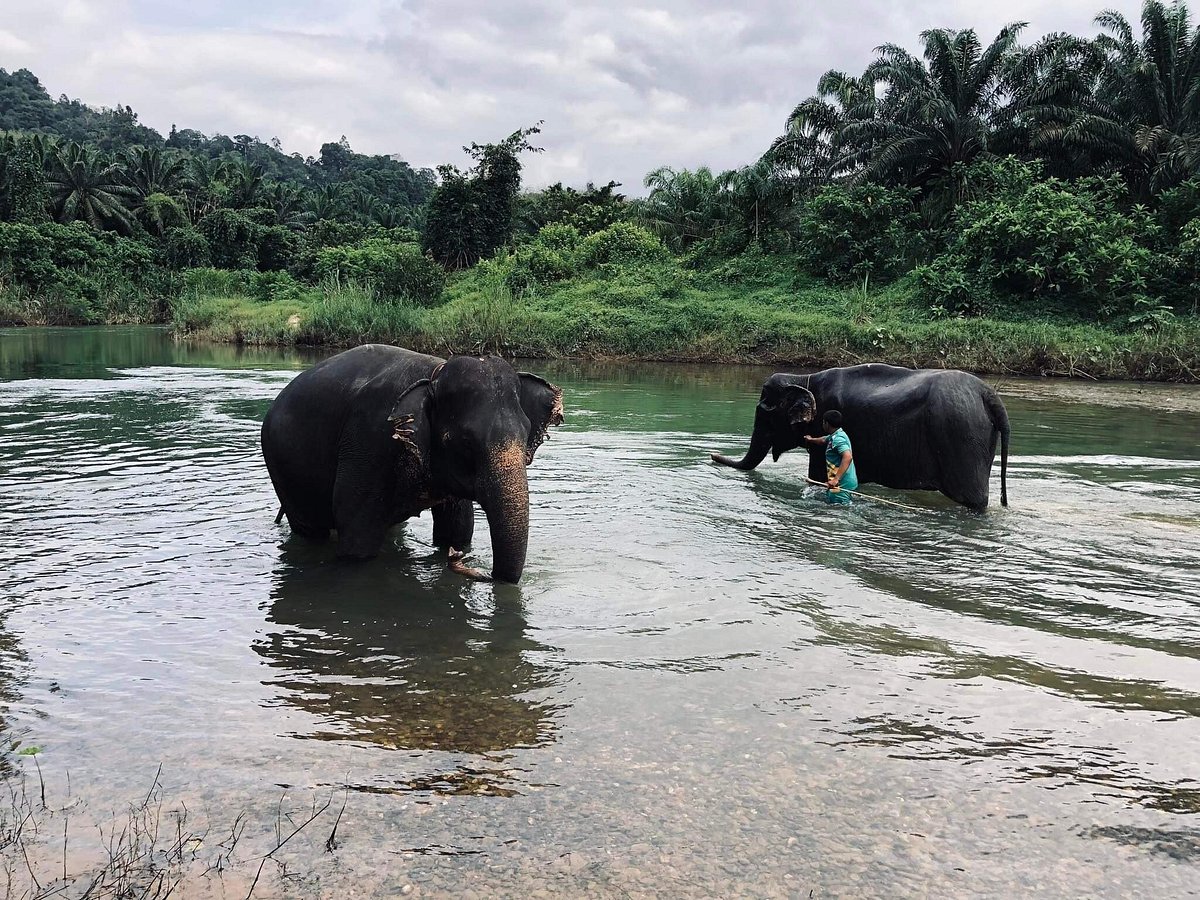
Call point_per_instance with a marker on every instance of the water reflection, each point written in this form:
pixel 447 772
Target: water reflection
pixel 95 352
pixel 1022 754
pixel 1182 844
pixel 13 666
pixel 378 657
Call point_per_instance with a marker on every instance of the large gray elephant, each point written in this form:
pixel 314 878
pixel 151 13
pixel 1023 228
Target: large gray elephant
pixel 373 436
pixel 924 429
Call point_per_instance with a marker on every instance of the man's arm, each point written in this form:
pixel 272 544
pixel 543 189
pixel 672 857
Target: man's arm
pixel 847 458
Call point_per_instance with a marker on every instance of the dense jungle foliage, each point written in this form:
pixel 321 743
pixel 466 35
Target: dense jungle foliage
pixel 1055 182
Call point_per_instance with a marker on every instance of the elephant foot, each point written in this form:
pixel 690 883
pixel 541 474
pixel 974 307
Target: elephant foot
pixel 457 564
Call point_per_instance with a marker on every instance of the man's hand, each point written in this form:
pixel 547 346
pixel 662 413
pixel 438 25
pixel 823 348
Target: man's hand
pixel 833 482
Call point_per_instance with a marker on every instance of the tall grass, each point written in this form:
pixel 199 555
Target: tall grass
pixel 110 301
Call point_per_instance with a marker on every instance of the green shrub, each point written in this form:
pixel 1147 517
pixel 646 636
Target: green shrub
pixel 267 287
pixel 1063 245
pixel 277 248
pixel 133 259
pixel 209 282
pixel 186 248
pixel 847 232
pixel 621 242
pixel 70 274
pixel 1189 250
pixel 394 270
pixel 560 238
pixel 232 238
pixel 26 255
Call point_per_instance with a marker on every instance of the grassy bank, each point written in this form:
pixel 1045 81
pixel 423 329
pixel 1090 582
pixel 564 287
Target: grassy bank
pixel 663 312
pixel 110 303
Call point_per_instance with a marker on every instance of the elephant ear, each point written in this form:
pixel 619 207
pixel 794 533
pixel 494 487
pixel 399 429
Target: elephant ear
pixel 410 424
pixel 800 404
pixel 542 404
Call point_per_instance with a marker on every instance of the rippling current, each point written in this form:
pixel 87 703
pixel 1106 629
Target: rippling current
pixel 708 683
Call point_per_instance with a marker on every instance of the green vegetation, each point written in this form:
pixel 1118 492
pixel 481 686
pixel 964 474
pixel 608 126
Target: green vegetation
pixel 742 311
pixel 997 207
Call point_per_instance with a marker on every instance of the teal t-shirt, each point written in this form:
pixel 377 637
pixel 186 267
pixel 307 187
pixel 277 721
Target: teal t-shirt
pixel 835 445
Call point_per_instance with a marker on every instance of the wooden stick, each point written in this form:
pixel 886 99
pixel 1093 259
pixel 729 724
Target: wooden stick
pixel 865 496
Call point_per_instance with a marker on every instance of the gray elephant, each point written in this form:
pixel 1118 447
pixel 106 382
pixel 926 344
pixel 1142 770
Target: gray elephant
pixel 924 429
pixel 373 436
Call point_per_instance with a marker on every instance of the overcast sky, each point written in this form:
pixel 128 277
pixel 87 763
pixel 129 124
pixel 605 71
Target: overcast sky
pixel 624 86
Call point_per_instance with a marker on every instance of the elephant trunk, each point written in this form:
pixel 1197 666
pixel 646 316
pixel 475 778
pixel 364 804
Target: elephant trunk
pixel 503 492
pixel 760 445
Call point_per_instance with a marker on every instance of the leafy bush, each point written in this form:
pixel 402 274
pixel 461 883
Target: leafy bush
pixel 1046 239
pixel 210 282
pixel 186 248
pixel 1178 239
pixel 589 210
pixel 277 247
pixel 621 242
pixel 550 256
pixel 71 274
pixel 395 270
pixel 845 233
pixel 267 287
pixel 754 263
pixel 132 259
pixel 232 238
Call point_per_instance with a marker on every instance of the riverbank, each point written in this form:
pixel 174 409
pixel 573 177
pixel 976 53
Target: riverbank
pixel 667 313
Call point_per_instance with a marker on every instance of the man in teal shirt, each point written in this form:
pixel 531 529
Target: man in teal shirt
pixel 841 478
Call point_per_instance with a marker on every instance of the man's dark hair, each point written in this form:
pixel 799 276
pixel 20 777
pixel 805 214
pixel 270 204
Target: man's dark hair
pixel 833 418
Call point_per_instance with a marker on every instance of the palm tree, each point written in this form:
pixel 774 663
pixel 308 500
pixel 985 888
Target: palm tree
pixel 1052 82
pixel 1143 118
pixel 245 181
pixel 392 217
pixel 812 139
pixel 755 195
pixel 84 184
pixel 204 186
pixel 288 201
pixel 938 113
pixel 151 170
pixel 155 176
pixel 324 203
pixel 364 206
pixel 683 206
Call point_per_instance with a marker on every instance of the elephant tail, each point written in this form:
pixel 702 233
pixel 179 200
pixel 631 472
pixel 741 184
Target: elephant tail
pixel 279 517
pixel 999 417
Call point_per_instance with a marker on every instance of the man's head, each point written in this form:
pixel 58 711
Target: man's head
pixel 832 421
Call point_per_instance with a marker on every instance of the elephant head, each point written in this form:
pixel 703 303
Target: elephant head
pixel 785 407
pixel 469 431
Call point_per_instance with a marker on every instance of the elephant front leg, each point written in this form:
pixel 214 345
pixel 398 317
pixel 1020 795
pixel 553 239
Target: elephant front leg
pixel 453 523
pixel 361 515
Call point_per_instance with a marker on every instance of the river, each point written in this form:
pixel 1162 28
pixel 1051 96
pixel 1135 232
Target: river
pixel 707 683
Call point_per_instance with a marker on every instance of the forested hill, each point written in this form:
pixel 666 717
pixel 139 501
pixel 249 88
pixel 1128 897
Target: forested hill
pixel 380 189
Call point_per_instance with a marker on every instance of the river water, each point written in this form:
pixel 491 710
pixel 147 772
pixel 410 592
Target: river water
pixel 707 684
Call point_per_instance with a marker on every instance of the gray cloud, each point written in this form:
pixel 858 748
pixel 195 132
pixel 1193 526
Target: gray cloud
pixel 623 86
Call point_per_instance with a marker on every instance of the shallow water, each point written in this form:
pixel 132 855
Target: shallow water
pixel 708 683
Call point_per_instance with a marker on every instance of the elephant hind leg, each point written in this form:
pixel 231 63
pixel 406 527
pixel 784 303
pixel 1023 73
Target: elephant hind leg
pixel 315 533
pixel 454 524
pixel 970 488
